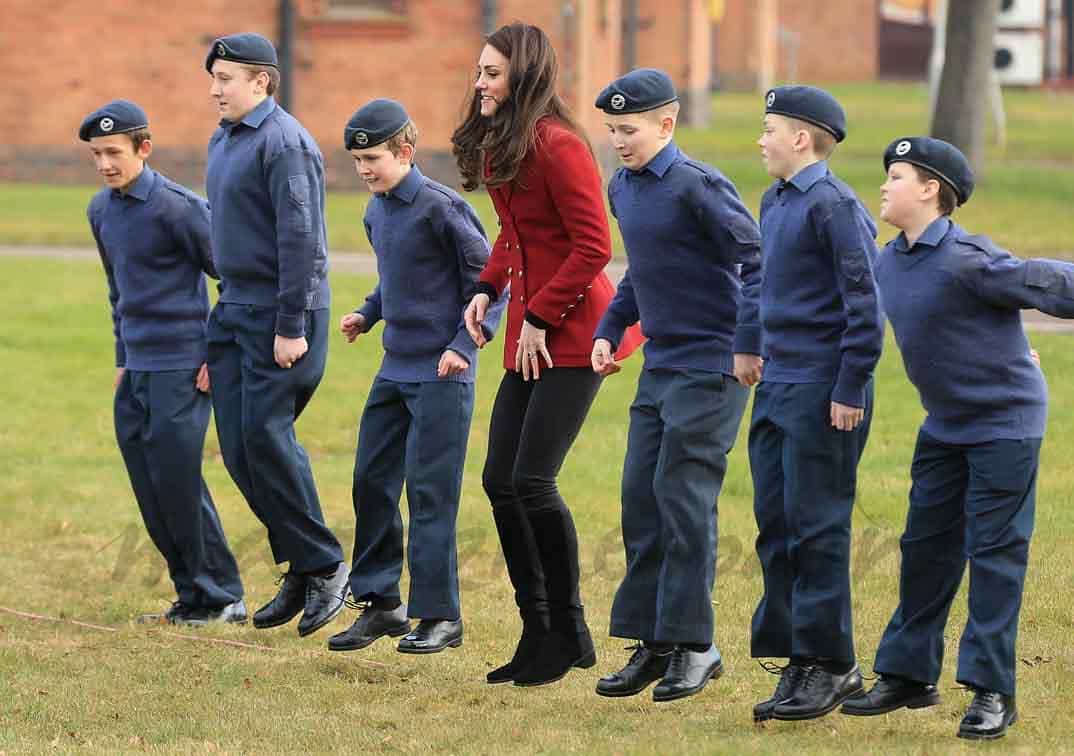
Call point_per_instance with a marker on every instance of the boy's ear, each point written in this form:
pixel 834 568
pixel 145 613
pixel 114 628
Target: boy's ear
pixel 145 149
pixel 930 189
pixel 667 126
pixel 406 152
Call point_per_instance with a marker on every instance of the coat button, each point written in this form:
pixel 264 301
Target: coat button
pixel 520 273
pixel 507 245
pixel 580 297
pixel 508 270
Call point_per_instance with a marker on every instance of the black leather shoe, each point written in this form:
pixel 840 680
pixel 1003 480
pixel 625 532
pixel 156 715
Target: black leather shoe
pixel 889 694
pixel 688 673
pixel 170 616
pixel 818 693
pixel 645 667
pixel 324 599
pixel 234 613
pixel 286 604
pixel 789 677
pixel 371 624
pixel 988 717
pixel 431 636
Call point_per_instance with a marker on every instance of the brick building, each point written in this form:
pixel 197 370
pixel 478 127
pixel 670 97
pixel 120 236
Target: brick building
pixel 63 58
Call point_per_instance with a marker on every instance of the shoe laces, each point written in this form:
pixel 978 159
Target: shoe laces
pixel 812 674
pixel 360 605
pixel 637 649
pixel 677 665
pixel 986 697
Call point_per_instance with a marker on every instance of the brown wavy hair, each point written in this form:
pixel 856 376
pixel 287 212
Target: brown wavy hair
pixel 511 131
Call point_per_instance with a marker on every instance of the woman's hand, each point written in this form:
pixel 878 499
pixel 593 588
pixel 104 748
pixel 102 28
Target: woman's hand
pixel 531 348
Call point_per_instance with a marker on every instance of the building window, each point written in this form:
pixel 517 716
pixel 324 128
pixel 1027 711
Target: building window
pixel 365 10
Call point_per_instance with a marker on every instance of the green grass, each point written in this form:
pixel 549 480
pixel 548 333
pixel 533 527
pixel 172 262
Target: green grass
pixel 1022 201
pixel 71 544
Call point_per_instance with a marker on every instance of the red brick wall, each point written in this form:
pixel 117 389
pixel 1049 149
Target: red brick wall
pixel 836 41
pixel 154 54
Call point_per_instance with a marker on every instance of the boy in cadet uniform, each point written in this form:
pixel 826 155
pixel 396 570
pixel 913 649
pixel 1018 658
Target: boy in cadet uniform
pixel 953 300
pixel 822 335
pixel 693 279
pixel 430 249
pixel 268 331
pixel 153 238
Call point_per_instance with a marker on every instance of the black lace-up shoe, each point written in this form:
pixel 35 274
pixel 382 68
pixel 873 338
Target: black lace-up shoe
pixel 324 599
pixel 891 693
pixel 285 605
pixel 371 624
pixel 645 667
pixel 988 717
pixel 789 677
pixel 688 673
pixel 432 636
pixel 819 692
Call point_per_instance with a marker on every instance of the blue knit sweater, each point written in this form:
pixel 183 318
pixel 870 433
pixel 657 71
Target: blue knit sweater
pixel 154 244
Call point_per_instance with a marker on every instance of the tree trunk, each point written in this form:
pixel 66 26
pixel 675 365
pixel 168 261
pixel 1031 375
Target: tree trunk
pixel 964 85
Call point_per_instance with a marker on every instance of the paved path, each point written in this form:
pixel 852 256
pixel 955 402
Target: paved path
pixel 365 264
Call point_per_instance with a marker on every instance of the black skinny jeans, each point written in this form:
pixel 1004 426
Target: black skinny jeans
pixel 533 426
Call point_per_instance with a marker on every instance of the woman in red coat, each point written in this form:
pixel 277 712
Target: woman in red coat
pixel 519 139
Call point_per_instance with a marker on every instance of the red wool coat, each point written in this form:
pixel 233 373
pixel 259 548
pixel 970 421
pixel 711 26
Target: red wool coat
pixel 553 246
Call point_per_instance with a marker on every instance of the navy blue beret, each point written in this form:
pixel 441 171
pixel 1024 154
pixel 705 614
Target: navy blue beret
pixel 640 90
pixel 117 117
pixel 247 47
pixel 808 104
pixel 938 156
pixel 373 123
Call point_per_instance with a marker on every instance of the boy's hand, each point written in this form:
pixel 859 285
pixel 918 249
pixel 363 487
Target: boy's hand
pixel 119 377
pixel 846 418
pixel 1034 355
pixel 475 316
pixel 603 358
pixel 531 348
pixel 288 351
pixel 748 368
pixel 451 363
pixel 352 325
pixel 202 381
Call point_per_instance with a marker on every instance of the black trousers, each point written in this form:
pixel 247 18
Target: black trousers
pixel 534 424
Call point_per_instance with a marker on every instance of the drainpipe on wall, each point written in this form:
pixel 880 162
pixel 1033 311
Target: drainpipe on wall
pixel 1068 11
pixel 490 12
pixel 286 53
pixel 630 35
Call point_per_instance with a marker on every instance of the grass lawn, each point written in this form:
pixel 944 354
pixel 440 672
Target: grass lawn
pixel 1022 201
pixel 72 545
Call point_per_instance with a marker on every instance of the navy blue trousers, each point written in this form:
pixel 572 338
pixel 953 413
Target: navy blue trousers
pixel 256 403
pixel 804 480
pixel 683 423
pixel 967 503
pixel 160 420
pixel 417 433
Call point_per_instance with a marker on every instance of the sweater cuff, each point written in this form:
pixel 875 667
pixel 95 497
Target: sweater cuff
pixel 850 390
pixel 291 326
pixel 747 340
pixel 121 354
pixel 536 322
pixel 610 333
pixel 484 287
pixel 464 346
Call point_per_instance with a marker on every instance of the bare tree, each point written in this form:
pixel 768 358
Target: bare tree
pixel 965 84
